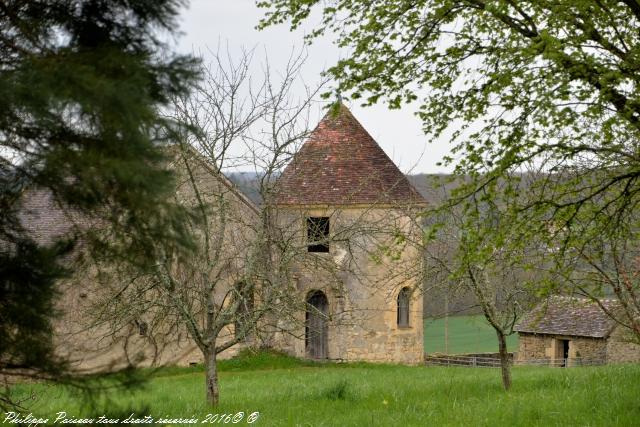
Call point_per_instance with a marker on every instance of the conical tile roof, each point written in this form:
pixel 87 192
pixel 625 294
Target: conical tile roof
pixel 341 164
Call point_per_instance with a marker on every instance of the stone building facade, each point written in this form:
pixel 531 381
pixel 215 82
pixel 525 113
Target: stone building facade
pixel 93 339
pixel 344 201
pixel 348 217
pixel 565 331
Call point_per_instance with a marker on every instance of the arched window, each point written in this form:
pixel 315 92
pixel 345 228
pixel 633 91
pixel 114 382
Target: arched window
pixel 403 307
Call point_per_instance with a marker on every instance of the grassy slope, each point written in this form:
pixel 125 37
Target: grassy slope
pixel 467 334
pixel 303 393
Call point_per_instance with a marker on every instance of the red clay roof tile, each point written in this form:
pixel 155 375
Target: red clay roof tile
pixel 341 164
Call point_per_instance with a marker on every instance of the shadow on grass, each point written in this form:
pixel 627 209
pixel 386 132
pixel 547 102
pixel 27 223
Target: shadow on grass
pixel 338 391
pixel 258 360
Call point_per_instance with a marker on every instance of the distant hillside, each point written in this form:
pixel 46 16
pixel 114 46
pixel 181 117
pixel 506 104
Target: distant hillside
pixel 248 183
pixel 433 187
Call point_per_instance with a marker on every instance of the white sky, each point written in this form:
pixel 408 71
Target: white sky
pixel 207 23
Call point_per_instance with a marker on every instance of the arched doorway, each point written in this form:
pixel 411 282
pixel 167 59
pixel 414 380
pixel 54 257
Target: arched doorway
pixel 316 327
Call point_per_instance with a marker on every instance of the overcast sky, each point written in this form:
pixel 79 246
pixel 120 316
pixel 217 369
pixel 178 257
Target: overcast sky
pixel 206 23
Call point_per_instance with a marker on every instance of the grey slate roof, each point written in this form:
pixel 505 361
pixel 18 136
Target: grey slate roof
pixel 569 316
pixel 46 220
pixel 43 217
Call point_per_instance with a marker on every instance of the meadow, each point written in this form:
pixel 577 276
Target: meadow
pixel 467 334
pixel 290 392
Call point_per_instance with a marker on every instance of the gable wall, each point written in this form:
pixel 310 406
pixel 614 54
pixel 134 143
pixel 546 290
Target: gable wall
pixel 96 347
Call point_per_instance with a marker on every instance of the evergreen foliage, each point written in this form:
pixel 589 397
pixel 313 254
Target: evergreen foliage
pixel 81 86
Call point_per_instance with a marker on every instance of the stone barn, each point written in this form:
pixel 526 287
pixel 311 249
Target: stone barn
pixel 566 331
pixel 350 216
pixel 344 200
pixel 139 341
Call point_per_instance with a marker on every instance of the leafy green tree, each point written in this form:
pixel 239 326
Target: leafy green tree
pixel 81 85
pixel 544 87
pixel 604 264
pixel 469 249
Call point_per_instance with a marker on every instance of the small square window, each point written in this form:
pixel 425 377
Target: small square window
pixel 318 234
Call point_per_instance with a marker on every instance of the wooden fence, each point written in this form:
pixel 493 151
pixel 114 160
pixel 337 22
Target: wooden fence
pixel 491 360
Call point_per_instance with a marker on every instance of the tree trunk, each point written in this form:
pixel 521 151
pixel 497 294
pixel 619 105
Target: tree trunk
pixel 505 362
pixel 213 393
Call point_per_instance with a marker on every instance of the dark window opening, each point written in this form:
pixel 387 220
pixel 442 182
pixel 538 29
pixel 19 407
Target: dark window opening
pixel 318 234
pixel 403 307
pixel 143 328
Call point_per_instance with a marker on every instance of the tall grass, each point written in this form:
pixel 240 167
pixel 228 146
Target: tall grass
pixel 289 392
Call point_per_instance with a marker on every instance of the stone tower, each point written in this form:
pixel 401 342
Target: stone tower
pixel 352 215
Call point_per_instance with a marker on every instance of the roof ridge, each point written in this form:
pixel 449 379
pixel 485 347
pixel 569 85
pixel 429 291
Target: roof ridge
pixel 219 175
pixel 568 315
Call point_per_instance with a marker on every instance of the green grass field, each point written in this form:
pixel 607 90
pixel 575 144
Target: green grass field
pixel 288 392
pixel 467 334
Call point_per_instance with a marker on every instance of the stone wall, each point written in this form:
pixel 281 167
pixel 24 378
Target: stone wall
pixel 100 348
pixel 587 349
pixel 532 346
pixel 617 348
pixel 95 346
pixel 546 347
pixel 365 269
pixel 621 349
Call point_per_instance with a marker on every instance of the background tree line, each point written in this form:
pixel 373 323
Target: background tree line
pixel 81 87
